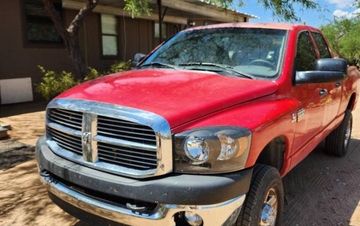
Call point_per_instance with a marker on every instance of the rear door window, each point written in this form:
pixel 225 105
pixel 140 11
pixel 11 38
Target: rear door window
pixel 321 44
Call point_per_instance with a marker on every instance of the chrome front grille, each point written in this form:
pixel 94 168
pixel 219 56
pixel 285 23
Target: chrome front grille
pixel 127 157
pixel 66 141
pixel 66 118
pixel 125 130
pixel 110 138
pixel 132 156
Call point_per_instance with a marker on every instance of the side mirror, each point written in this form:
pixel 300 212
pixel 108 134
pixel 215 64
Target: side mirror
pixel 331 64
pixel 138 57
pixel 326 70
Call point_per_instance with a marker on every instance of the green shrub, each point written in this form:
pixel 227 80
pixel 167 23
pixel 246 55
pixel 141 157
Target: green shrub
pixel 120 66
pixel 114 68
pixel 93 74
pixel 53 83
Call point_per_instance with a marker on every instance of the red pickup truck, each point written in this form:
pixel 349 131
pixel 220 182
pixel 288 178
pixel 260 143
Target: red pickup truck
pixel 201 131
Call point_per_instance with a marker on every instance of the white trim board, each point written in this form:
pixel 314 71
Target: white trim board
pixel 16 90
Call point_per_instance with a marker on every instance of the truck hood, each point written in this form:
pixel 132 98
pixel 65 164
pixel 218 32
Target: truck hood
pixel 177 95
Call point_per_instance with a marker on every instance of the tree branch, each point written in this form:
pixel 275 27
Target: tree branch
pixel 56 18
pixel 75 23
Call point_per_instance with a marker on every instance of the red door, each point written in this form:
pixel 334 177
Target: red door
pixel 331 91
pixel 310 115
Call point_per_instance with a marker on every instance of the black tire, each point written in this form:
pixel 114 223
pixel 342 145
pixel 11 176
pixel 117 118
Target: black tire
pixel 265 178
pixel 335 143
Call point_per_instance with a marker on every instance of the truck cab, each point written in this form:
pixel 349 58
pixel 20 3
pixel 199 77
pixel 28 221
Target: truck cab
pixel 201 131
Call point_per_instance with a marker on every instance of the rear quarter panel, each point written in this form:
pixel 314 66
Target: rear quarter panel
pixel 350 87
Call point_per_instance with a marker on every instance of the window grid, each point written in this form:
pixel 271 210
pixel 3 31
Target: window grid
pixel 109 35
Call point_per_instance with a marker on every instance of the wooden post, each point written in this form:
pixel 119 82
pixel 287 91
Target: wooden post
pixel 160 20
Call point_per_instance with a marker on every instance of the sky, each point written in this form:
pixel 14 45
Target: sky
pixel 328 10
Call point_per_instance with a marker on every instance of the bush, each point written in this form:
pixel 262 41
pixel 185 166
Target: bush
pixel 53 83
pixel 114 68
pixel 93 74
pixel 120 66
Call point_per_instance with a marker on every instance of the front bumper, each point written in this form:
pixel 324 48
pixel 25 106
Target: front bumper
pixel 216 198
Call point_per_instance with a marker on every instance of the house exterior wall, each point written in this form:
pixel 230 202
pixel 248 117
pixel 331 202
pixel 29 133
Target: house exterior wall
pixel 135 36
pixel 19 59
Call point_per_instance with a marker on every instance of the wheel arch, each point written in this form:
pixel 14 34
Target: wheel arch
pixel 352 101
pixel 273 154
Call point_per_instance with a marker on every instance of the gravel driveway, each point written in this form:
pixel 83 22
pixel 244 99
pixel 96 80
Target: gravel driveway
pixel 322 190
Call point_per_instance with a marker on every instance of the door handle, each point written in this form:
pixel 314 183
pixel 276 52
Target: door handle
pixel 323 92
pixel 337 84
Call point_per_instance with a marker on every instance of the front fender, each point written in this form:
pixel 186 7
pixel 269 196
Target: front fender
pixel 266 118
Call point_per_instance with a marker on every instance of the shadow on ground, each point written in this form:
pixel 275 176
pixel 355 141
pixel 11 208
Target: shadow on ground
pixel 13 153
pixel 323 190
pixel 22 108
pixel 24 200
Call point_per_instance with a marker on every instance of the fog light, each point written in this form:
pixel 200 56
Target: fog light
pixel 193 219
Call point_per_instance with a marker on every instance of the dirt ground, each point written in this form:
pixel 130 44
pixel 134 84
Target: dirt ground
pixel 322 190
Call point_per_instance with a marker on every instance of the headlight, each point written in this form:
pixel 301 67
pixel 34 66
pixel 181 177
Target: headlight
pixel 212 150
pixel 196 149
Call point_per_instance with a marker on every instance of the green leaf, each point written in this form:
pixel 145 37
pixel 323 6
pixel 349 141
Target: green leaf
pixel 344 39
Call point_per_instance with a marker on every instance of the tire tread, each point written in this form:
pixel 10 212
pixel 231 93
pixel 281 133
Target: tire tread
pixel 261 175
pixel 334 143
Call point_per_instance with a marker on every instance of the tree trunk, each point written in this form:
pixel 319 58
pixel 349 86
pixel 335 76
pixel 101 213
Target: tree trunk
pixel 75 54
pixel 70 35
pixel 160 21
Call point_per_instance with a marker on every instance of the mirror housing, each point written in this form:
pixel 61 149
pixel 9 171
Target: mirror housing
pixel 326 70
pixel 138 57
pixel 331 64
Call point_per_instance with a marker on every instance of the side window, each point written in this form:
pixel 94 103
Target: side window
pixel 305 55
pixel 321 44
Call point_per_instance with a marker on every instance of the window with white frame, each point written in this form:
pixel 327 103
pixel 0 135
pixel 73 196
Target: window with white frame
pixel 109 35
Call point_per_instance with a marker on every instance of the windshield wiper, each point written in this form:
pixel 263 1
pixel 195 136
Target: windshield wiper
pixel 157 64
pixel 220 66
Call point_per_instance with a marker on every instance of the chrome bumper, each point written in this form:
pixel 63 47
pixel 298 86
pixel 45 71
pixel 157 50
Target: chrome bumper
pixel 224 213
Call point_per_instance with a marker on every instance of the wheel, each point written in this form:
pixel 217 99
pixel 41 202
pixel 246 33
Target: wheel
pixel 337 142
pixel 265 200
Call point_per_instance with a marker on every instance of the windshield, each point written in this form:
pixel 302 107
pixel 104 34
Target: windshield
pixel 251 51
